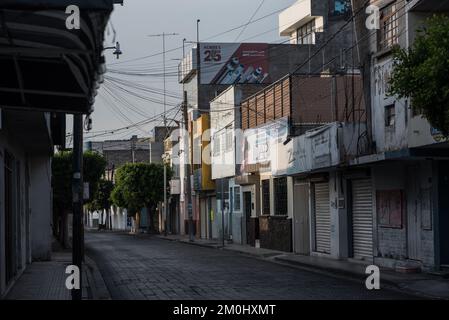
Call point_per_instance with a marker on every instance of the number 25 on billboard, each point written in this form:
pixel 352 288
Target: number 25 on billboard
pixel 212 56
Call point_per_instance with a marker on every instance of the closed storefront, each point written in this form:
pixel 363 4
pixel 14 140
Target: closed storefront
pixel 322 221
pixel 362 219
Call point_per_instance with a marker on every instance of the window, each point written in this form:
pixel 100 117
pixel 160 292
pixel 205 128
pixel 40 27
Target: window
pixel 237 199
pixel 229 139
pixel 216 145
pixel 280 196
pixel 306 34
pixel 389 26
pixel 390 114
pixel 390 208
pixel 266 197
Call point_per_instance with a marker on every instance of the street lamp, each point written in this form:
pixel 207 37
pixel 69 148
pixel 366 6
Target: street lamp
pixel 117 51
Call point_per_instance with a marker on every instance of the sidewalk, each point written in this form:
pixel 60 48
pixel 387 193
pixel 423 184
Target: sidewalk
pixel 421 284
pixel 46 281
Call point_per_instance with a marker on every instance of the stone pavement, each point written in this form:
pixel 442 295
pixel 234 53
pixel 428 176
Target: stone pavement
pixel 422 285
pixel 46 281
pixel 147 267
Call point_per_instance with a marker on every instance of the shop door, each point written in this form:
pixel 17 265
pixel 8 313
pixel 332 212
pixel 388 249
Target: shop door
pixel 301 219
pixel 248 208
pixel 322 218
pixel 362 219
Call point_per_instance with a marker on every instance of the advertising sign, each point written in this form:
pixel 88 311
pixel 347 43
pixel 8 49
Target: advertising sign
pixel 234 63
pixel 315 149
pixel 259 144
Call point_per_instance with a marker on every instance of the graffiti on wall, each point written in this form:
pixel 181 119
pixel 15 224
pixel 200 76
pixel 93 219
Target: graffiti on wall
pixel 339 9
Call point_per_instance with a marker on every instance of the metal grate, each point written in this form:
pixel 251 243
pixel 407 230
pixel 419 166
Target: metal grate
pixel 266 197
pixel 280 196
pixel 389 27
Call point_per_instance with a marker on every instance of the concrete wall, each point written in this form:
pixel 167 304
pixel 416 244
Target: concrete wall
pixel 41 207
pixel 32 207
pixel 119 219
pixel 393 244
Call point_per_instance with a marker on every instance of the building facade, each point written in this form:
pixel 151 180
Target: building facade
pixel 32 120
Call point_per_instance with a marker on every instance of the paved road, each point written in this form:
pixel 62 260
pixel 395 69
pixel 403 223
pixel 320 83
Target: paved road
pixel 151 268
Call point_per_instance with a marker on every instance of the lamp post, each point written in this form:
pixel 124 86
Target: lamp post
pixel 118 52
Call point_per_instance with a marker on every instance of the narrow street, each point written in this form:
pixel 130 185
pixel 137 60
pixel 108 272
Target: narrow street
pixel 138 268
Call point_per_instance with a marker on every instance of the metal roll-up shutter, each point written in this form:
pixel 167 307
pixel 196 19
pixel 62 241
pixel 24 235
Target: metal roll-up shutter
pixel 362 219
pixel 322 218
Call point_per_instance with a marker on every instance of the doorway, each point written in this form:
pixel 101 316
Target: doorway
pixel 301 219
pixel 248 209
pixel 9 218
pixel 443 192
pixel 362 219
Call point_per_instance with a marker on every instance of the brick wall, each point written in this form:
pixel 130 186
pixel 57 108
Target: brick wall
pixel 253 231
pixel 275 233
pixel 392 243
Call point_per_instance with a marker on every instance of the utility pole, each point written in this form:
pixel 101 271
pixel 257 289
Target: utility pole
pixel 163 35
pixel 188 168
pixel 198 54
pixel 133 149
pixel 77 201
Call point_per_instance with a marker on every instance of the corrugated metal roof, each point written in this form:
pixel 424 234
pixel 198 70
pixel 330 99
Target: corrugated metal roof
pixel 55 4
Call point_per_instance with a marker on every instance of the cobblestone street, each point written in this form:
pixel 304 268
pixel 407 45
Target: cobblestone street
pixel 151 268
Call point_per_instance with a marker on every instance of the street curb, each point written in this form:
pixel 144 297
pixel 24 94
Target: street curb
pixel 332 272
pixel 264 256
pixel 386 278
pixel 210 246
pixel 95 280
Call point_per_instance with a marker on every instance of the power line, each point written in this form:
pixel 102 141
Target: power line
pixel 250 20
pixel 211 37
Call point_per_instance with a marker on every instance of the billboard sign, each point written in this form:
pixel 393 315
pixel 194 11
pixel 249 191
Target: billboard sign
pixel 260 144
pixel 234 63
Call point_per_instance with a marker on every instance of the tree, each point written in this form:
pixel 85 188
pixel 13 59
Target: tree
pixel 102 200
pixel 94 166
pixel 422 73
pixel 140 186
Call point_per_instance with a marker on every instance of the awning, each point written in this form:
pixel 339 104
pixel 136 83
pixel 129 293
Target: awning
pixel 44 65
pixel 57 4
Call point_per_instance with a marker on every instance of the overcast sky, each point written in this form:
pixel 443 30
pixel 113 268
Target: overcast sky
pixel 137 19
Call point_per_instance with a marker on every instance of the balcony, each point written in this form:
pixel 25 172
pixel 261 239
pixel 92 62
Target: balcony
pixel 187 67
pixel 300 13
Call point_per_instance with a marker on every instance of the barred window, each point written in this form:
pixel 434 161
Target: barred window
pixel 389 27
pixel 266 197
pixel 280 196
pixel 390 115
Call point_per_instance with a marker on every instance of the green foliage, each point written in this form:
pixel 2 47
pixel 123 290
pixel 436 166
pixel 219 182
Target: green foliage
pixel 422 73
pixel 102 198
pixel 138 186
pixel 94 166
